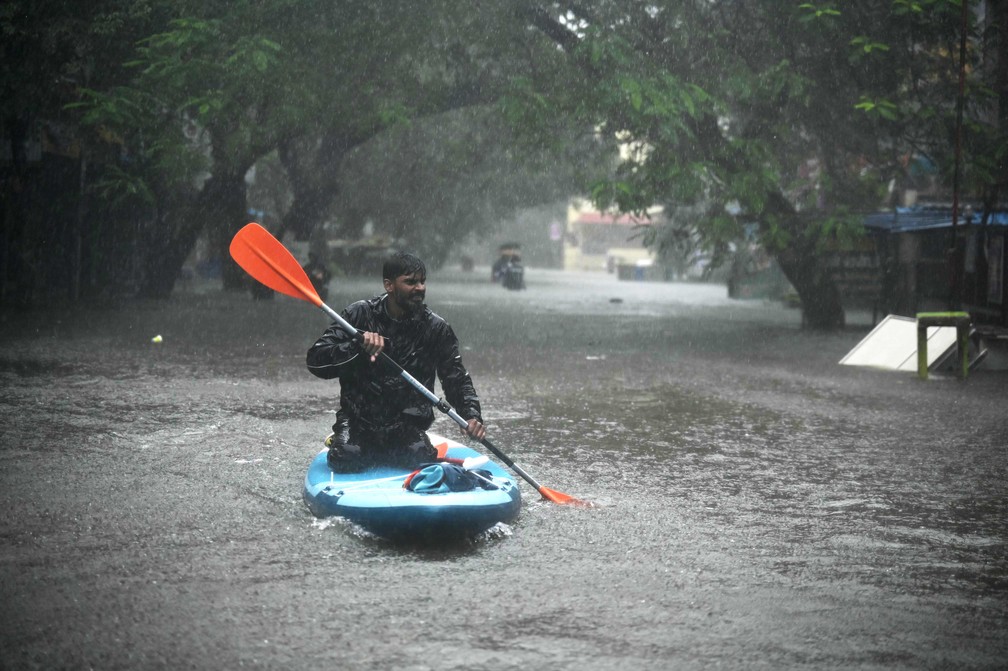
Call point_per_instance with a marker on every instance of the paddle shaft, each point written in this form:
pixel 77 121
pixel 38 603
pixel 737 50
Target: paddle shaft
pixel 430 396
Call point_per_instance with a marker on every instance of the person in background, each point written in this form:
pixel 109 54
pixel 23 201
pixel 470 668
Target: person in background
pixel 505 256
pixel 513 277
pixel 318 274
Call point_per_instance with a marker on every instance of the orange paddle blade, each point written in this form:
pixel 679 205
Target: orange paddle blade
pixel 560 497
pixel 266 259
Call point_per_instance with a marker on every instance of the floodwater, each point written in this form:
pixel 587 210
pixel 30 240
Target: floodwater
pixel 757 505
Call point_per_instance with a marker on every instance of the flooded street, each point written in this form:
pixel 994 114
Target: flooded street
pixel 758 505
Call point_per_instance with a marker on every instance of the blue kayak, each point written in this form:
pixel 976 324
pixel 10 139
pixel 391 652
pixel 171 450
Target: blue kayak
pixel 377 500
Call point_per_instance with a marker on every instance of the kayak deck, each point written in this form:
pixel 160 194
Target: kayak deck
pixel 376 500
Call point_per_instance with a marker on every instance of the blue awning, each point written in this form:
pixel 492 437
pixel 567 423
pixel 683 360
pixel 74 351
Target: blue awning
pixel 908 220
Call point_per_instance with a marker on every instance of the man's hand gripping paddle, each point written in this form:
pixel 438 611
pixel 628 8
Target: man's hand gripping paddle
pixel 266 259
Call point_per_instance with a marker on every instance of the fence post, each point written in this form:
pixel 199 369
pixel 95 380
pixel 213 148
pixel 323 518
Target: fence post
pixel 961 322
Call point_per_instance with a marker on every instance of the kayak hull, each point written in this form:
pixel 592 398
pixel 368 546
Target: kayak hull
pixel 376 500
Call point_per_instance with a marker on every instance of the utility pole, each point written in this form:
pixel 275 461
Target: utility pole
pixel 955 260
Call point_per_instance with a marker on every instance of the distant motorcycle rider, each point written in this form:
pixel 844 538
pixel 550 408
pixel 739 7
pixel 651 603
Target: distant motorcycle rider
pixel 382 419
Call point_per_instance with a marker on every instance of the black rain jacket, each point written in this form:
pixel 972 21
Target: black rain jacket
pixel 373 396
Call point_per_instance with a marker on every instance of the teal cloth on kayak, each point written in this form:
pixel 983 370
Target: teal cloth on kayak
pixel 441 478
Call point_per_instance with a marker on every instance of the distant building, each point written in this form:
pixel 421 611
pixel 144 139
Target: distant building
pixel 600 241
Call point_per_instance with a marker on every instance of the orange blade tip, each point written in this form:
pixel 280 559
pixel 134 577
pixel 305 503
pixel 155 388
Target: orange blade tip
pixel 560 497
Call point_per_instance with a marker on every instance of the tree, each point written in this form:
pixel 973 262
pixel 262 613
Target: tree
pixel 209 98
pixel 793 116
pixel 199 92
pixel 445 176
pixel 796 134
pixel 52 242
pixel 432 59
pixel 219 89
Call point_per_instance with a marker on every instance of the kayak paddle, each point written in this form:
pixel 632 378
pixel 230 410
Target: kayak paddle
pixel 266 259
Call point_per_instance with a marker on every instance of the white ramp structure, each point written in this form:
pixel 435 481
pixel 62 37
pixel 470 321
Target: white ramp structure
pixel 892 345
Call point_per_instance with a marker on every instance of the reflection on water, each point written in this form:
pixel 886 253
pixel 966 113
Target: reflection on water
pixel 758 505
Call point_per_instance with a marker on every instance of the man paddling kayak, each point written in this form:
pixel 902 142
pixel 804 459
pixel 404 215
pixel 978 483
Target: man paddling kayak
pixel 381 418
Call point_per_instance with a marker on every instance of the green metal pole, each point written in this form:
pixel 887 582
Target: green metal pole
pixel 962 336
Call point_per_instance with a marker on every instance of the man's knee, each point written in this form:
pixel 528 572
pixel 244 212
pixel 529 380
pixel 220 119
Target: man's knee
pixel 344 456
pixel 420 449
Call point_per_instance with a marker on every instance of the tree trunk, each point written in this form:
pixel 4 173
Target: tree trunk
pixel 314 178
pixel 805 268
pixel 999 19
pixel 173 237
pixel 16 281
pixel 822 308
pixel 163 266
pixel 220 210
pixel 77 238
pixel 225 211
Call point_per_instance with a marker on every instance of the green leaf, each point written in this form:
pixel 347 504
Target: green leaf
pixel 901 7
pixel 867 46
pixel 632 88
pixel 814 12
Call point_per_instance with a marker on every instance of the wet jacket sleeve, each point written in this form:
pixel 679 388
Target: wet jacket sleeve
pixel 455 379
pixel 333 354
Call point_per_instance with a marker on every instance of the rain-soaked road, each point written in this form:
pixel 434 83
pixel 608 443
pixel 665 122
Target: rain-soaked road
pixel 759 505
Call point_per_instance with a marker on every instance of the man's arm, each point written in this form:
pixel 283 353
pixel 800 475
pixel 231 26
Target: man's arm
pixel 457 384
pixel 333 355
